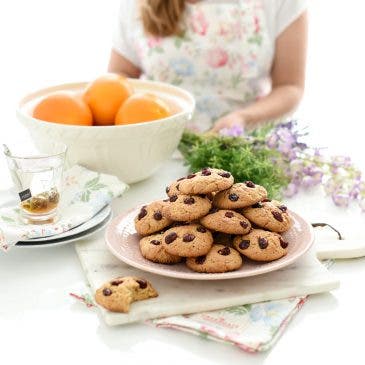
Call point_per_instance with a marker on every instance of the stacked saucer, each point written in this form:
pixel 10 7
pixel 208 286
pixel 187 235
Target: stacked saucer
pixel 82 231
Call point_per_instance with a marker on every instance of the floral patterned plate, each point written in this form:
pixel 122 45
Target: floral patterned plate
pixel 123 242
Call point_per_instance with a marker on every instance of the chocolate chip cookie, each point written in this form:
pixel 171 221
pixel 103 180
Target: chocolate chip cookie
pixel 226 221
pixel 186 208
pixel 188 240
pixel 240 195
pixel 260 245
pixel 151 218
pixel 219 259
pixel 271 215
pixel 223 238
pixel 152 249
pixel 206 181
pixel 174 188
pixel 118 294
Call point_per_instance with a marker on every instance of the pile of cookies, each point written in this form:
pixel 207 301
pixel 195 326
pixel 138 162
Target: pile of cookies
pixel 213 224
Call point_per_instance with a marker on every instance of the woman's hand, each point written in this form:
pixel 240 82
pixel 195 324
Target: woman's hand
pixel 234 119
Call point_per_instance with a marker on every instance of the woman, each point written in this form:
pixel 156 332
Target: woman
pixel 244 60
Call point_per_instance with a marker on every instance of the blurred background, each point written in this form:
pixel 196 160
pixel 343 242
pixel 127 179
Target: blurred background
pixel 50 42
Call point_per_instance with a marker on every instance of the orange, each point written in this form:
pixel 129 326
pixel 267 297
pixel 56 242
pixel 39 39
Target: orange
pixel 105 95
pixel 142 108
pixel 64 108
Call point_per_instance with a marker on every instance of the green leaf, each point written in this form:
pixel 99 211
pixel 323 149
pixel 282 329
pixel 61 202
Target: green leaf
pixel 85 196
pixel 256 39
pixel 178 42
pixel 7 219
pixel 92 182
pixel 239 310
pixel 98 187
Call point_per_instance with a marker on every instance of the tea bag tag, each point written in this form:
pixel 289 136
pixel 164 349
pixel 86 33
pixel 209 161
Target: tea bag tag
pixel 25 195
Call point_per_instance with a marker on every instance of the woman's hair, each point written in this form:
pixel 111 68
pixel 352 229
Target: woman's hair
pixel 162 18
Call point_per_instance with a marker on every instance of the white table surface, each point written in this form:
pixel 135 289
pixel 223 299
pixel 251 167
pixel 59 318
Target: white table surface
pixel 40 322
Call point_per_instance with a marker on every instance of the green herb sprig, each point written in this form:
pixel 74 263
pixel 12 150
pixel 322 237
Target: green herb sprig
pixel 245 158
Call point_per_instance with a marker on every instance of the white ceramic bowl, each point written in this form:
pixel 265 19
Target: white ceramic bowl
pixel 131 152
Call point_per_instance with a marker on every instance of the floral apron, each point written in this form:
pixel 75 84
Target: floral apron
pixel 224 57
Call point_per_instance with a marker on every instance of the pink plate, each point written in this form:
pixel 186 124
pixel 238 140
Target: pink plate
pixel 123 241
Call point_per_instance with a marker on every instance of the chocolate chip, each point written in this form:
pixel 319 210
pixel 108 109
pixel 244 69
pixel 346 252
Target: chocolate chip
pixel 200 260
pixel 233 197
pixel 142 283
pixel 157 216
pixel 257 205
pixel 244 244
pixel 188 237
pixel 244 224
pixel 263 243
pixel 278 216
pixel 189 201
pixel 250 184
pixel 225 174
pixel 283 244
pixel 155 242
pixel 206 172
pixel 283 208
pixel 266 200
pixel 167 189
pixel 171 237
pixel 181 178
pixel 201 229
pixel 107 292
pixel 178 187
pixel 229 214
pixel 180 224
pixel 213 210
pixel 224 251
pixel 191 176
pixel 116 282
pixel 173 198
pixel 142 213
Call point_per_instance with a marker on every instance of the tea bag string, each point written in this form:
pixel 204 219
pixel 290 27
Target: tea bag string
pixel 7 153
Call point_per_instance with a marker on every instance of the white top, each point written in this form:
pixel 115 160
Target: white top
pixel 224 57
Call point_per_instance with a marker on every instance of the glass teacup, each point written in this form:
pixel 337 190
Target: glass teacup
pixel 37 177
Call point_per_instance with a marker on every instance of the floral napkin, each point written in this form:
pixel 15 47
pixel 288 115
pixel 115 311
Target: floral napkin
pixel 251 327
pixel 84 194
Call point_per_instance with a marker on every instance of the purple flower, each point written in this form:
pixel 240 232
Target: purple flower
pixel 291 190
pixel 234 131
pixel 307 167
pixel 341 161
pixel 317 176
pixel 272 141
pixel 286 136
pixel 340 199
pixel 296 165
pixel 329 187
pixel 308 182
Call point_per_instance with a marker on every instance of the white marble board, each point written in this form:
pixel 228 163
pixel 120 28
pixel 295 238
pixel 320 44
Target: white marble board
pixel 176 296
